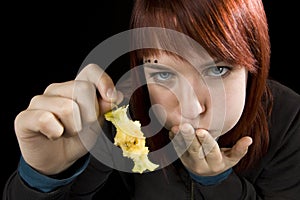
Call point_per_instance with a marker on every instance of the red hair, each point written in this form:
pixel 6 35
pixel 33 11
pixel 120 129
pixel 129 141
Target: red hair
pixel 234 31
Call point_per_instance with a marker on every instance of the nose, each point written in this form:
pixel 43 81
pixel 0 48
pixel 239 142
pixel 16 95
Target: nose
pixel 191 99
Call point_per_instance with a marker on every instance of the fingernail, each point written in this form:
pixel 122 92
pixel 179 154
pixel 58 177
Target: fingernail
pixel 186 129
pixel 120 97
pixel 171 135
pixel 112 93
pixel 175 129
pixel 200 133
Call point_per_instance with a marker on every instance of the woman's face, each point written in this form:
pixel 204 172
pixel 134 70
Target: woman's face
pixel 210 96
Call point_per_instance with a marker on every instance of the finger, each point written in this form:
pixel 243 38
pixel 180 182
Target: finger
pixel 83 92
pixel 178 142
pixel 238 151
pixel 191 142
pixel 109 96
pixel 175 129
pixel 30 122
pixel 209 148
pixel 104 84
pixel 64 109
pixel 64 89
pixel 171 135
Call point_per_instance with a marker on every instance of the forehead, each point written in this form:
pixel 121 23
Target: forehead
pixel 196 61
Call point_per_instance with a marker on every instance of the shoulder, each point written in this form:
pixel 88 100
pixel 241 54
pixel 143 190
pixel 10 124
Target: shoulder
pixel 284 121
pixel 285 100
pixel 283 92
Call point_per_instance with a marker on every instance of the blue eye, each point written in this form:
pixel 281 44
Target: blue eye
pixel 217 71
pixel 161 76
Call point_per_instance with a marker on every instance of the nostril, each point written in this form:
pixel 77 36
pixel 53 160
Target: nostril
pixel 192 110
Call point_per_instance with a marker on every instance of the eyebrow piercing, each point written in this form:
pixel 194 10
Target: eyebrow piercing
pixel 149 61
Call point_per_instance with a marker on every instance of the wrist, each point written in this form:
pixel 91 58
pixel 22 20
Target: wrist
pixel 45 183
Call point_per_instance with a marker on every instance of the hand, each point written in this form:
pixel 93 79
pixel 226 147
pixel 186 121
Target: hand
pixel 48 130
pixel 200 152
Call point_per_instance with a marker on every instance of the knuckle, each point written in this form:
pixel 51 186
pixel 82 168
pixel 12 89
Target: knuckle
pixel 92 66
pixel 90 70
pixel 34 100
pixel 18 121
pixel 45 118
pixel 51 87
pixel 67 107
pixel 84 86
pixel 193 150
pixel 45 121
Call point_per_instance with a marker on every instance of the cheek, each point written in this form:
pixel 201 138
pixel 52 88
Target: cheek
pixel 158 95
pixel 235 102
pixel 235 106
pixel 164 103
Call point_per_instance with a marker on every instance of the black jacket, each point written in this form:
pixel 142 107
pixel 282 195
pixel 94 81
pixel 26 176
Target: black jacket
pixel 277 176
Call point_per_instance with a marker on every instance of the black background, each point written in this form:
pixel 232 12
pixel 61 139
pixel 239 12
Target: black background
pixel 46 42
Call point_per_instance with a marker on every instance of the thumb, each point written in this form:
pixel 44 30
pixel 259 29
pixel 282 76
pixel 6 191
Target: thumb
pixel 239 150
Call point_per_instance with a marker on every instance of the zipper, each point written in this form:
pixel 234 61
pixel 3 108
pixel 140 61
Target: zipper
pixel 192 189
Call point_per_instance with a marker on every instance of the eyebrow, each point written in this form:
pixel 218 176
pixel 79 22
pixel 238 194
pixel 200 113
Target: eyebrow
pixel 156 66
pixel 164 67
pixel 210 63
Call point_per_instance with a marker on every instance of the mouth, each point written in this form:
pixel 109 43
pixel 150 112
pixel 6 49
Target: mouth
pixel 215 133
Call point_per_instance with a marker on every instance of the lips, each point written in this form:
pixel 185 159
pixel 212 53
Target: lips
pixel 215 133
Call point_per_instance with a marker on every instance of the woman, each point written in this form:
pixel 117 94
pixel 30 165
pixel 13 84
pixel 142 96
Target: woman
pixel 213 100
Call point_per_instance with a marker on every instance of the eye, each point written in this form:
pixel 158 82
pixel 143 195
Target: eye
pixel 161 76
pixel 217 71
